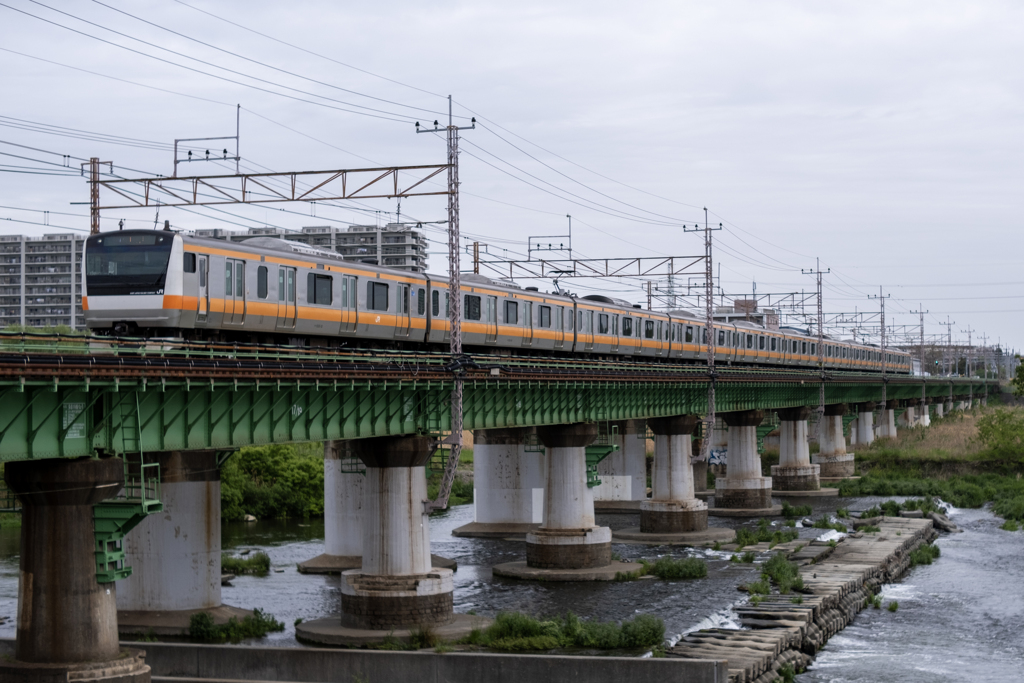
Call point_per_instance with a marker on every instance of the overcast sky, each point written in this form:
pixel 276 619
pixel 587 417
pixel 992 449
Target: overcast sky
pixel 884 138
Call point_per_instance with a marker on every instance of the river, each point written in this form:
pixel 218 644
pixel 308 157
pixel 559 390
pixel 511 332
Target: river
pixel 961 618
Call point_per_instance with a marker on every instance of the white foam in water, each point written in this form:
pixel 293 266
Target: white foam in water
pixel 947 507
pixel 831 535
pixel 725 618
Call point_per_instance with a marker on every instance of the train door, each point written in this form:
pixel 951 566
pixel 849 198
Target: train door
pixel 527 323
pixel 559 323
pixel 492 320
pixel 659 348
pixel 348 304
pixel 403 322
pixel 588 330
pixel 203 303
pixel 285 298
pixel 234 292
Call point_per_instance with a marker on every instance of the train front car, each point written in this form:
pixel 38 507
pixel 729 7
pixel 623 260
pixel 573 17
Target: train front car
pixel 128 274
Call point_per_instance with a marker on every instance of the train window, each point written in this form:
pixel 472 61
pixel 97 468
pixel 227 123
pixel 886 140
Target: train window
pixel 704 335
pixel 228 270
pixel 202 272
pixel 511 313
pixel 615 325
pixel 472 307
pixel 280 284
pixel 261 282
pixel 804 348
pixel 435 303
pixel 421 302
pixel 721 338
pixel 560 318
pixel 239 278
pixel 689 333
pixel 376 295
pixel 405 298
pixel 602 323
pixel 750 341
pixel 581 328
pixel 319 289
pixel 627 326
pixel 773 343
pixel 761 344
pixel 649 329
pixel 190 263
pixel 545 316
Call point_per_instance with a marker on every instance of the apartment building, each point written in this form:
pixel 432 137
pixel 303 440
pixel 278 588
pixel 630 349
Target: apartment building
pixel 396 245
pixel 41 280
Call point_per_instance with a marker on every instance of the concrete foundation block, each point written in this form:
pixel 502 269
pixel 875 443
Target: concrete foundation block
pixel 796 478
pixel 569 548
pixel 834 466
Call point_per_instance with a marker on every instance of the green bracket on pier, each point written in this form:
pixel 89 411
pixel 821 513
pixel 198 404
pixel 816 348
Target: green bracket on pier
pixel 596 454
pixel 847 419
pixel 113 519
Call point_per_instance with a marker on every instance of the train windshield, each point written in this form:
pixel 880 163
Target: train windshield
pixel 127 262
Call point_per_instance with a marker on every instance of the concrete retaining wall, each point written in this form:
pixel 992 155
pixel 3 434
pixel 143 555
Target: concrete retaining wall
pixel 188 662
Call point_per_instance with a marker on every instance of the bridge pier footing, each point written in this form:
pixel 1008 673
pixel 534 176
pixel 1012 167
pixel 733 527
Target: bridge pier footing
pixel 743 491
pixel 832 458
pixel 175 555
pixel 67 620
pixel 508 485
pixel 396 590
pixel 623 473
pixel 344 486
pixel 673 514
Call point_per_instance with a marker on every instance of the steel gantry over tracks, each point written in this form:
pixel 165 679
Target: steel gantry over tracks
pixel 69 397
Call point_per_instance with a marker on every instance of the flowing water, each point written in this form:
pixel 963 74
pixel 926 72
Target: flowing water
pixel 961 618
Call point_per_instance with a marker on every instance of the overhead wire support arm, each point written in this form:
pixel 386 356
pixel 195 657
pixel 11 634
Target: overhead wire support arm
pixel 357 183
pixel 643 266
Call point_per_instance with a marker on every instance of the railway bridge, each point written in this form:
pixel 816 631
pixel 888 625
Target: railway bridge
pixel 97 436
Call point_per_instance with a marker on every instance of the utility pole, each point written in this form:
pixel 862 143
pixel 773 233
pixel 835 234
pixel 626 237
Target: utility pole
pixel 648 283
pixel 476 258
pixel 821 336
pixel 984 355
pixel 94 164
pixel 970 352
pixel 709 332
pixel 881 299
pixel 920 353
pixel 454 301
pixel 949 346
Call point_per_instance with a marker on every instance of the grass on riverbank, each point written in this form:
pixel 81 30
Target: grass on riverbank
pixel 966 459
pixel 518 632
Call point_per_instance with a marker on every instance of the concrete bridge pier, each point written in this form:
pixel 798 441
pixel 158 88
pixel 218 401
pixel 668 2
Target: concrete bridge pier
pixel 909 418
pixel 175 555
pixel 940 409
pixel 925 417
pixel 832 458
pixel 886 428
pixel 794 471
pixel 852 439
pixel 508 485
pixel 67 621
pixel 673 514
pixel 865 428
pixel 396 590
pixel 623 472
pixel 343 515
pixel 569 538
pixel 743 491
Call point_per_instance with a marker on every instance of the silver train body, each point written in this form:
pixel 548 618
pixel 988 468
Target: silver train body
pixel 159 283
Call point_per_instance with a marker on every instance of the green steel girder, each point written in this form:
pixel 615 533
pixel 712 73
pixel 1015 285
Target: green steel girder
pixel 82 418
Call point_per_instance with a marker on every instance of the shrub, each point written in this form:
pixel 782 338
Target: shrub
pixel 669 568
pixel 926 554
pixel 1010 525
pixel 893 606
pixel 790 511
pixel 202 628
pixel 783 573
pixel 1002 432
pixel 257 564
pixel 643 630
pixel 514 631
pixel 761 587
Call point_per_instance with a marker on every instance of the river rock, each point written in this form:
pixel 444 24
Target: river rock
pixel 912 514
pixel 249 518
pixel 869 521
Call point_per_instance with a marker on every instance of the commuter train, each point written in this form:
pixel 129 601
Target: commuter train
pixel 158 283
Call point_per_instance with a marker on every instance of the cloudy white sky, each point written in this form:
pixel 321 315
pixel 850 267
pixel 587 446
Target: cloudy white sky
pixel 884 138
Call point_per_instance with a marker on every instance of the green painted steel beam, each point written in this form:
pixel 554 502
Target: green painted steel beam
pixel 49 419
